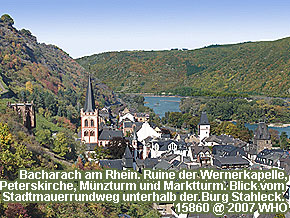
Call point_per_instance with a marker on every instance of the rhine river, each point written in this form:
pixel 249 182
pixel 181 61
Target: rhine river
pixel 160 105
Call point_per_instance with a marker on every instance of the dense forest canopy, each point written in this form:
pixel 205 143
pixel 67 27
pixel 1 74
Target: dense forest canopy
pixel 247 68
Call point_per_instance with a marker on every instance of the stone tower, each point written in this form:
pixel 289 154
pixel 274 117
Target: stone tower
pixel 262 138
pixel 89 120
pixel 203 126
pixel 27 112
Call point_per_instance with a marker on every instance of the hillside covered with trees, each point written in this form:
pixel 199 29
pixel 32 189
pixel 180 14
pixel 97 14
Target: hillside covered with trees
pixel 249 68
pixel 45 74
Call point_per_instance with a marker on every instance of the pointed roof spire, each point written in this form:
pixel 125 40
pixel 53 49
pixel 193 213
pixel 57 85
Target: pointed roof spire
pixel 127 154
pixel 90 100
pixel 203 119
pixel 127 159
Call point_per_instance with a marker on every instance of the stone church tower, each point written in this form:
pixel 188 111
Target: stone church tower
pixel 89 120
pixel 262 138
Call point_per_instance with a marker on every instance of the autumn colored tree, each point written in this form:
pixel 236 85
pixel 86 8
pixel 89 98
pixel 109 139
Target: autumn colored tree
pixel 5 18
pixel 13 155
pixel 274 137
pixel 29 86
pixel 16 210
pixel 101 153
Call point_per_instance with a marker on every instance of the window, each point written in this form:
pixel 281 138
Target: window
pixel 92 123
pixel 156 147
pixel 86 133
pixel 92 133
pixel 86 123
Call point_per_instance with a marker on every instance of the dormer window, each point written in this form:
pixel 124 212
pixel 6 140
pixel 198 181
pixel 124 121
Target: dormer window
pixel 156 147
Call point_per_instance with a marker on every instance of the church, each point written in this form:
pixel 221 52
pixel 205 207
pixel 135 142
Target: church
pixel 92 132
pixel 89 120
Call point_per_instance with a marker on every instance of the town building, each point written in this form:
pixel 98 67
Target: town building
pixel 203 127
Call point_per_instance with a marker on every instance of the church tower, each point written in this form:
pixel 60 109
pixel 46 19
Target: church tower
pixel 89 120
pixel 203 126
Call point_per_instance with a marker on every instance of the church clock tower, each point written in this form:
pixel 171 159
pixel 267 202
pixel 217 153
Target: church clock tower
pixel 89 120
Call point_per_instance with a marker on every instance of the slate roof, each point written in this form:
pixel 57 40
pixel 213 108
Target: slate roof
pixel 110 134
pixel 227 150
pixel 130 125
pixel 127 158
pixel 163 164
pixel 197 149
pixel 115 164
pixel 168 157
pixel 230 160
pixel 165 136
pixel 104 114
pixel 262 132
pixel 127 154
pixel 163 144
pixel 90 100
pixel 270 157
pixel 91 146
pixel 203 119
pixel 147 163
pixel 225 140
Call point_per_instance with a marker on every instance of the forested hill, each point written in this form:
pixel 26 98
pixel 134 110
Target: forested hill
pixel 252 68
pixel 43 73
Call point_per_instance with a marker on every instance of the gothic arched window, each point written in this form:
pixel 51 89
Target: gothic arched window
pixel 92 123
pixel 92 133
pixel 86 133
pixel 86 123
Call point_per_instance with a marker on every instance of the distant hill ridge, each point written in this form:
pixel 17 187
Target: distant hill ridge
pixel 261 68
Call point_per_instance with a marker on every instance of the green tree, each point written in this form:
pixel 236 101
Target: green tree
pixel 284 141
pixel 61 145
pixel 43 136
pixel 5 18
pixel 117 147
pixel 101 153
pixel 227 128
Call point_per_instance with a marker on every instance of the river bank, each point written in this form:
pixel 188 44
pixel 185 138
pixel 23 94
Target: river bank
pixel 280 125
pixel 159 96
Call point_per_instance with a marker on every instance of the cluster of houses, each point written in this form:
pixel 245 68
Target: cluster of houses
pixel 154 147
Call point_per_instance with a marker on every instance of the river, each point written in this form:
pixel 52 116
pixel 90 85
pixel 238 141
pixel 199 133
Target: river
pixel 160 105
pixel 279 129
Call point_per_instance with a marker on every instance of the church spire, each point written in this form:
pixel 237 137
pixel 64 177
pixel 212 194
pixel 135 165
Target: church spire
pixel 90 100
